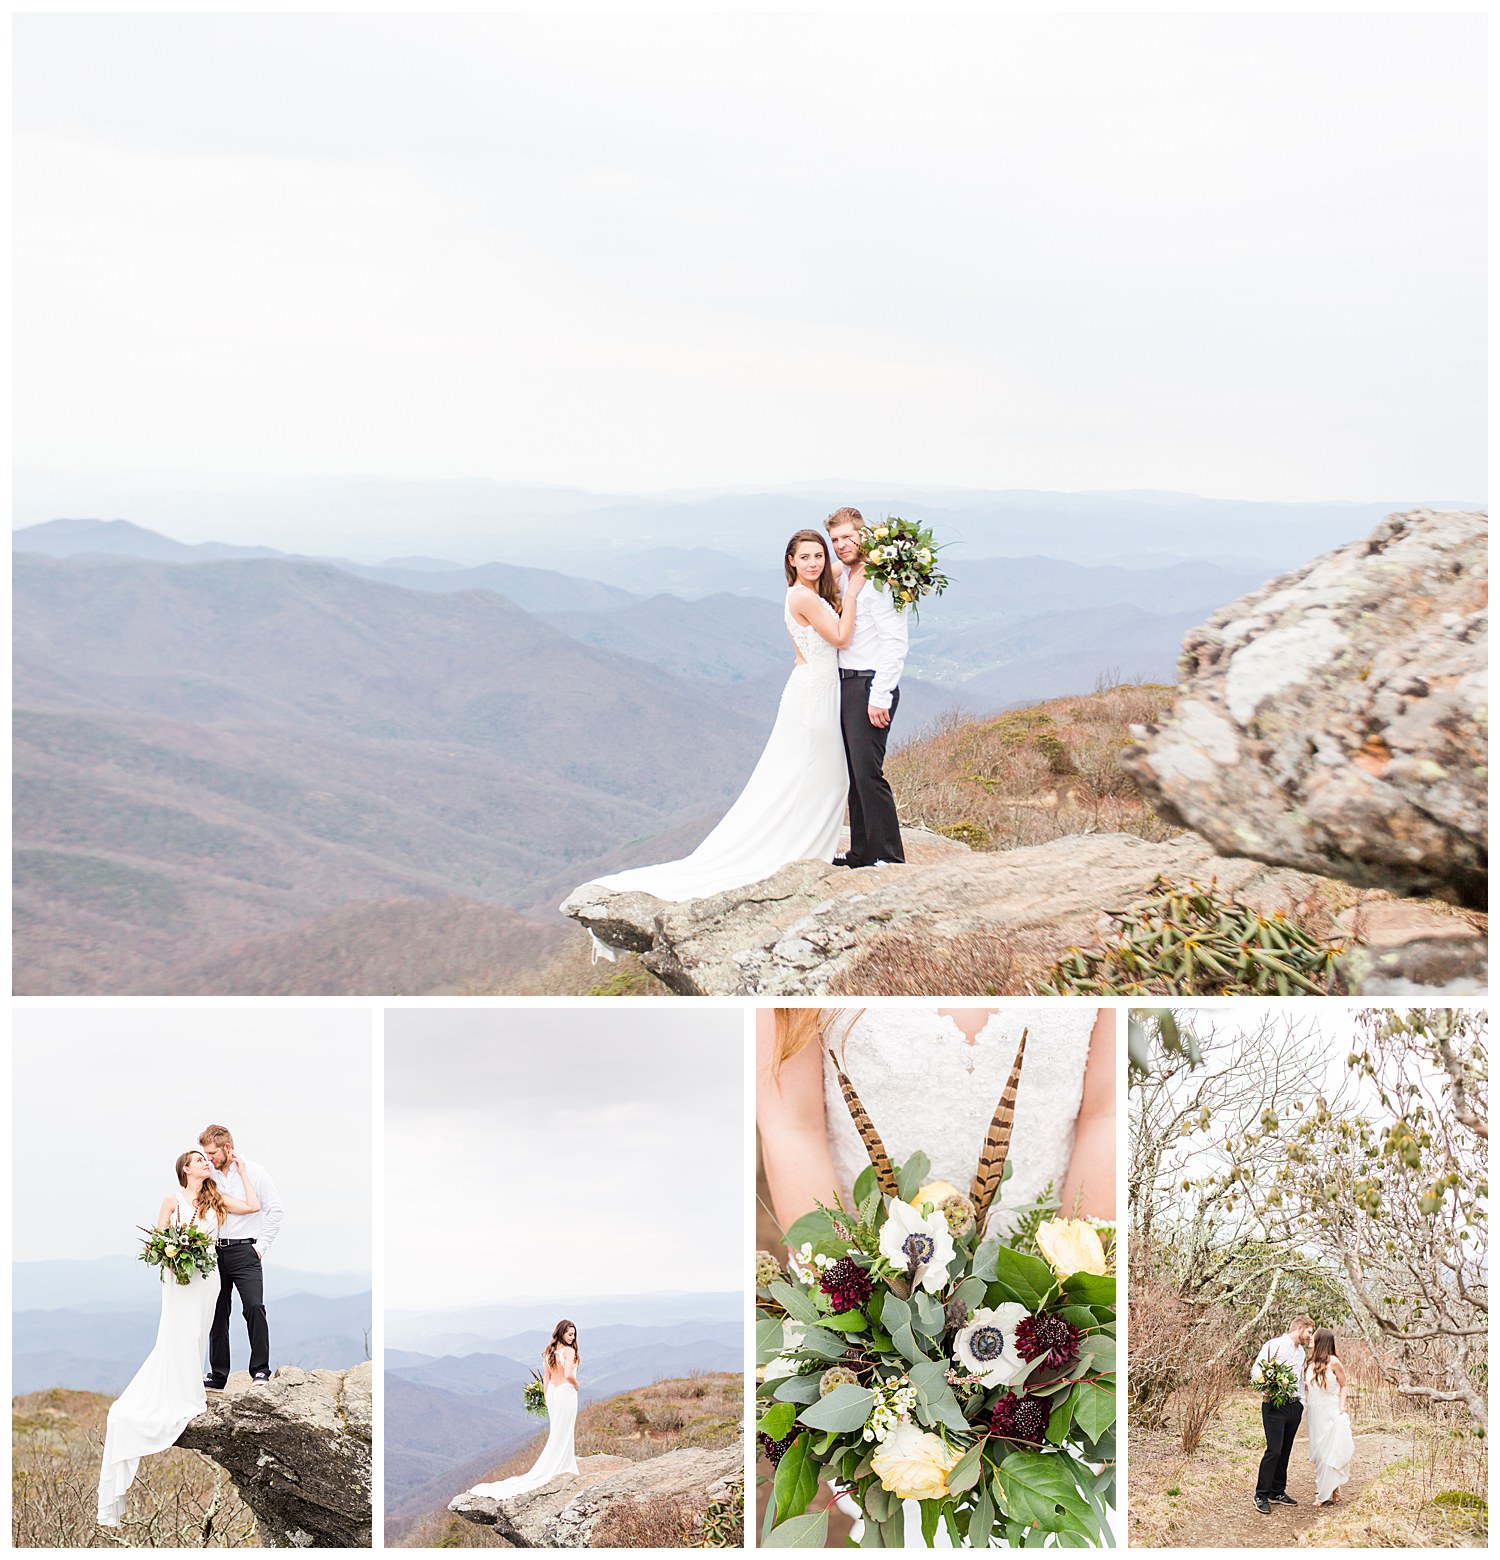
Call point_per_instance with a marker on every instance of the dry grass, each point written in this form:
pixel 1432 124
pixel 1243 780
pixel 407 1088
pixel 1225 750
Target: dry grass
pixel 1031 775
pixel 571 972
pixel 179 1500
pixel 979 964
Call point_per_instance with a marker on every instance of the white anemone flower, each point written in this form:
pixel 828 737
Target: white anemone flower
pixel 906 1234
pixel 986 1347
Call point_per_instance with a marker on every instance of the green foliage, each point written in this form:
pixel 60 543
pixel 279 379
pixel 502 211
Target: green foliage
pixel 1188 939
pixel 974 835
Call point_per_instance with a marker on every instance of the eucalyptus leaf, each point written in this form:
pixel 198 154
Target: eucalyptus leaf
pixel 777 1421
pixel 768 1337
pixel 929 1314
pixel 796 1304
pixel 936 1404
pixel 893 1311
pixel 1062 1417
pixel 981 1520
pixel 876 1502
pixel 912 1175
pixel 814 1226
pixel 971 1292
pixel 809 1531
pixel 965 1473
pixel 983 1266
pixel 1100 1348
pixel 826 1345
pixel 845 1408
pixel 797 1389
pixel 906 1342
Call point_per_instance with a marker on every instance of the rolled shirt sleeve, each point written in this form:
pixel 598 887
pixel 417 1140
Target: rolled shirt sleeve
pixel 889 623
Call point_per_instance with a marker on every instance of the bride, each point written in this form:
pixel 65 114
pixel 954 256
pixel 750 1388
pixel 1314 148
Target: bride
pixel 560 1381
pixel 929 1079
pixel 167 1391
pixel 1330 1436
pixel 793 803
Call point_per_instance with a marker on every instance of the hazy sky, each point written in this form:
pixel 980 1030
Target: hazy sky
pixel 105 1100
pixel 1240 255
pixel 557 1152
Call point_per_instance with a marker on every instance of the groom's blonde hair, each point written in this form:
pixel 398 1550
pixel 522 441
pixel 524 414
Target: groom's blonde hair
pixel 844 517
pixel 215 1136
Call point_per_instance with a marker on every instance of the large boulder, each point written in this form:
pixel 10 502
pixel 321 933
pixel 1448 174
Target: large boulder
pixel 564 1513
pixel 1335 720
pixel 298 1450
pixel 806 930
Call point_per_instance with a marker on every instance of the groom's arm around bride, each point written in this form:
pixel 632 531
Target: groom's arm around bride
pixel 870 693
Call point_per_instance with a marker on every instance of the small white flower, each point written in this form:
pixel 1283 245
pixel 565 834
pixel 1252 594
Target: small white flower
pixel 906 1234
pixel 986 1347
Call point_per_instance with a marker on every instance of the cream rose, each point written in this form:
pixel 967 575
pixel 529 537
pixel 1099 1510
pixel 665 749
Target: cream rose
pixel 1071 1246
pixel 914 1465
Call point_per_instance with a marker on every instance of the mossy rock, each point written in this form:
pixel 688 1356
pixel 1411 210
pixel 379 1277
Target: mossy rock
pixel 1461 1500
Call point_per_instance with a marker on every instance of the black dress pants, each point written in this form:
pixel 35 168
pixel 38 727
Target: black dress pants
pixel 1280 1425
pixel 874 831
pixel 240 1269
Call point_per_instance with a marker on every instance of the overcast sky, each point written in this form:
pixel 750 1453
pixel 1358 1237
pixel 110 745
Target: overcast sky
pixel 1240 255
pixel 104 1102
pixel 556 1152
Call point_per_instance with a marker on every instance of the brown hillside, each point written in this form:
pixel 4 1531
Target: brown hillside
pixel 179 1499
pixel 703 1410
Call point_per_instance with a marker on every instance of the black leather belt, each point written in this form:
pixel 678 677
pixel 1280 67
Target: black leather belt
pixel 237 1240
pixel 849 676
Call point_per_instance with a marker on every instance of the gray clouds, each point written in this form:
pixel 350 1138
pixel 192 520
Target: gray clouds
pixel 562 1151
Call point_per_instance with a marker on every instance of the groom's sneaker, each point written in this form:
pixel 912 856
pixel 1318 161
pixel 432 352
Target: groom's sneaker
pixel 842 859
pixel 1262 1505
pixel 260 1379
pixel 210 1385
pixel 1284 1500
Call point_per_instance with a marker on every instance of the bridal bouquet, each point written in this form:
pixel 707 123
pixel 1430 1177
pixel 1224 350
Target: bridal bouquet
pixel 534 1396
pixel 1277 1382
pixel 181 1250
pixel 906 1356
pixel 901 555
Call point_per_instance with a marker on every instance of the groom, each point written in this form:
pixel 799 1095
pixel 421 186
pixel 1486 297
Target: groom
pixel 869 674
pixel 1280 1424
pixel 244 1239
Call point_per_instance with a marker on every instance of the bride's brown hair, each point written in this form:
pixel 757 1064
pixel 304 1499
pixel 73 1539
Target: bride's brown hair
pixel 559 1333
pixel 209 1199
pixel 827 581
pixel 1323 1350
pixel 797 1028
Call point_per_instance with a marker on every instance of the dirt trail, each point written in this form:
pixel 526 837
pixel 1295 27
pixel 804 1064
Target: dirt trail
pixel 1222 1514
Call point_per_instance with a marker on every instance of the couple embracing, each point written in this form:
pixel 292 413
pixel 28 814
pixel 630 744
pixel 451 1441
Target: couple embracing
pixel 1311 1381
pixel 827 748
pixel 233 1205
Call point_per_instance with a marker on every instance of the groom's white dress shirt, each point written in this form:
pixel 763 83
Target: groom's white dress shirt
pixel 879 642
pixel 1286 1352
pixel 242 1226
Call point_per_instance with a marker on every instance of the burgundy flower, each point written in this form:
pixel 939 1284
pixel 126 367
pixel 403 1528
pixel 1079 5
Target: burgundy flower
pixel 847 1285
pixel 1047 1336
pixel 1020 1418
pixel 776 1450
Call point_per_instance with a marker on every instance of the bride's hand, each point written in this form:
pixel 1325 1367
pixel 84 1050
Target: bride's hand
pixel 855 580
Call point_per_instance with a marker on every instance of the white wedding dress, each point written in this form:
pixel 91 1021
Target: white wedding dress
pixel 793 803
pixel 926 1087
pixel 557 1455
pixel 1330 1436
pixel 167 1391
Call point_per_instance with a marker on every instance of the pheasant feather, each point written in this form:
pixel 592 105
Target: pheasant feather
pixel 885 1177
pixel 997 1143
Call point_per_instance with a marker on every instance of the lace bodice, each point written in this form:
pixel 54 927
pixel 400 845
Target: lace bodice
pixel 814 649
pixel 187 1215
pixel 925 1087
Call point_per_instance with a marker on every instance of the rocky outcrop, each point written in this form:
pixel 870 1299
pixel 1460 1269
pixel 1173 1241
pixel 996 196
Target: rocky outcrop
pixel 805 930
pixel 565 1513
pixel 1335 720
pixel 298 1450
